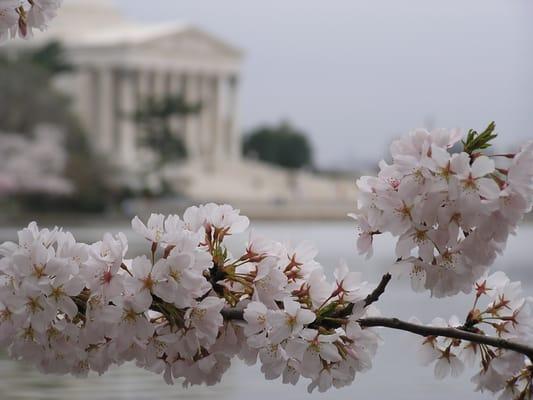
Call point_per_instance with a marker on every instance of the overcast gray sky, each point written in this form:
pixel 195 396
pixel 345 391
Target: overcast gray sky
pixel 354 74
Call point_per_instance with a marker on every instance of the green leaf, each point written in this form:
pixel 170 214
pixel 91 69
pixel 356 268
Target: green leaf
pixel 478 141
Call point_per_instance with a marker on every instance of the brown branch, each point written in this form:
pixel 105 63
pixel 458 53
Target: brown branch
pixel 379 290
pixel 454 333
pixel 233 314
pixel 371 298
pixel 424 330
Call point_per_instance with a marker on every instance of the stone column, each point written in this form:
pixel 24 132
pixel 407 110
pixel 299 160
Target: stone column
pixel 160 85
pixel 206 119
pixel 217 140
pixel 127 131
pixel 86 101
pixel 143 87
pixel 175 84
pixel 106 110
pixel 144 93
pixel 232 134
pixel 174 90
pixel 191 125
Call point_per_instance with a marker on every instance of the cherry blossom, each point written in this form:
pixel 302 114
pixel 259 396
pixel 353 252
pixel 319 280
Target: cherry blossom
pixel 222 217
pixel 188 306
pixel 451 211
pixel 255 314
pixel 316 348
pixel 500 309
pixel 19 17
pixel 153 230
pixel 32 164
pixel 289 321
pixel 350 287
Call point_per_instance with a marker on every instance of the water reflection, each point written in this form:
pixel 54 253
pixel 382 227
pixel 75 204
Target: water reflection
pixel 396 372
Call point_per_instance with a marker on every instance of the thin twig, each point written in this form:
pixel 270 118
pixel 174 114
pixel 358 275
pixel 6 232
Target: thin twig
pixel 423 330
pixel 379 290
pixel 371 298
pixel 454 333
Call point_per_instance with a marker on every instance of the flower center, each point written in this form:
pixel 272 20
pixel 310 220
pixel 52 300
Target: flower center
pixel 470 183
pixel 107 277
pixel 38 270
pixel 148 282
pixel 33 305
pixel 57 292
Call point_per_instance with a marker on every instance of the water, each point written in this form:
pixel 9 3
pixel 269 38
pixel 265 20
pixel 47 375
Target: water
pixel 395 374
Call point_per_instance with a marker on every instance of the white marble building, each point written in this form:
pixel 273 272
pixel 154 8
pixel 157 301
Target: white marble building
pixel 120 63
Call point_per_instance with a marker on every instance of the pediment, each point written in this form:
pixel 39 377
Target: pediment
pixel 190 42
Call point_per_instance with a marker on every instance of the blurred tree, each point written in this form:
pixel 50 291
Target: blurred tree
pixel 155 117
pixel 29 99
pixel 50 57
pixel 283 145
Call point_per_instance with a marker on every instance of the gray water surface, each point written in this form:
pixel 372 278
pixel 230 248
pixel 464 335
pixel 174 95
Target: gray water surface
pixel 396 373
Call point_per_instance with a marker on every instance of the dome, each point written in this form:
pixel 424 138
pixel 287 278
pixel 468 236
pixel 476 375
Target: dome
pixel 78 19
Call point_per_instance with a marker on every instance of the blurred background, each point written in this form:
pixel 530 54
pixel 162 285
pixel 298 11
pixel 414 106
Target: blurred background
pixel 126 107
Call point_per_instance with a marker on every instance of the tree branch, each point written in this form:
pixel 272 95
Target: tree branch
pixel 233 314
pixel 395 323
pixel 454 333
pixel 379 290
pixel 422 330
pixel 371 298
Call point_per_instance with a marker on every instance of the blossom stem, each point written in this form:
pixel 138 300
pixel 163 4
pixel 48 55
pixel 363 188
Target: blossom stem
pixel 125 268
pixel 506 155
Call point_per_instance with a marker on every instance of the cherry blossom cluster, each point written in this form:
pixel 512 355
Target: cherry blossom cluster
pixel 184 309
pixel 20 17
pixel 308 337
pixel 451 208
pixel 33 165
pixel 500 310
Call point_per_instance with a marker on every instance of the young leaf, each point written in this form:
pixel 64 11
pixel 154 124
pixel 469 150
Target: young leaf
pixel 478 141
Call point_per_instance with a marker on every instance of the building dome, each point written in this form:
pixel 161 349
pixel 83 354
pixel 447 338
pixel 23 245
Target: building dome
pixel 78 19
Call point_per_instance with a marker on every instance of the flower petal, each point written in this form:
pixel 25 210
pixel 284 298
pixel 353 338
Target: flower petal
pixel 482 166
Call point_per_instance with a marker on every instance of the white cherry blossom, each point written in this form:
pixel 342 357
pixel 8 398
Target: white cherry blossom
pixel 313 349
pixel 451 212
pixel 21 16
pixel 191 306
pixel 154 229
pixel 205 317
pixel 289 321
pixel 255 314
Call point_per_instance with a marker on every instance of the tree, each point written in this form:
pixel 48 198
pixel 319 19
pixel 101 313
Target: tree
pixel 281 145
pixel 156 116
pixel 28 100
pixel 191 306
pixel 50 57
pixel 188 306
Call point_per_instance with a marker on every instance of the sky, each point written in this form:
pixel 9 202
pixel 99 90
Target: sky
pixel 355 74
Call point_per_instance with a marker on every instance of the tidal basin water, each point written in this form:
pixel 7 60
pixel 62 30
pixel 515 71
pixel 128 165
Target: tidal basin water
pixel 396 373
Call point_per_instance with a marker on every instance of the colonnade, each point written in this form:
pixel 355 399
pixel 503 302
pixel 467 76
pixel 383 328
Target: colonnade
pixel 108 97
